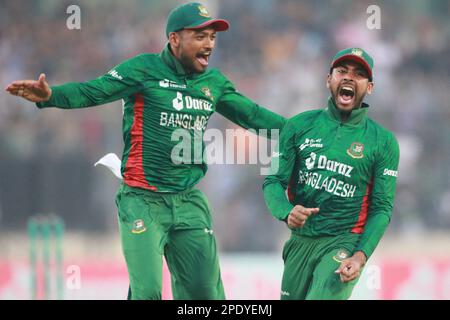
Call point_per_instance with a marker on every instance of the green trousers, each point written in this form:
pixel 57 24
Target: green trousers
pixel 177 226
pixel 309 265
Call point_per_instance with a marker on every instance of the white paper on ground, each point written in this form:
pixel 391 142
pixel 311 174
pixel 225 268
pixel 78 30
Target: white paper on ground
pixel 112 162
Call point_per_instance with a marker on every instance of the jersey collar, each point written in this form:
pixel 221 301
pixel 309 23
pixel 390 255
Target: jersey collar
pixel 174 65
pixel 357 117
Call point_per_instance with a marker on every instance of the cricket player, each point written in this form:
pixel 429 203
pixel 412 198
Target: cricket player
pixel 160 211
pixel 339 169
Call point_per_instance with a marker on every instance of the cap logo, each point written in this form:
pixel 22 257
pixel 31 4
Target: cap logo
pixel 357 52
pixel 203 12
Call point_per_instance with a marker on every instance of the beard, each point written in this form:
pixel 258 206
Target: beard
pixel 355 102
pixel 188 64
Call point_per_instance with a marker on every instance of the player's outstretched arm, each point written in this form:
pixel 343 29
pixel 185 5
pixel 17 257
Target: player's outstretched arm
pixel 124 80
pixel 246 113
pixel 32 90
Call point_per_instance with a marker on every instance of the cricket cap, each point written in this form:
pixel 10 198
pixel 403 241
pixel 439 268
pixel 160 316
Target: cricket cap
pixel 193 15
pixel 355 54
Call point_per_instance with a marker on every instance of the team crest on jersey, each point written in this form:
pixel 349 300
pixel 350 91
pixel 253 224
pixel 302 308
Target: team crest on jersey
pixel 341 255
pixel 207 92
pixel 356 150
pixel 138 226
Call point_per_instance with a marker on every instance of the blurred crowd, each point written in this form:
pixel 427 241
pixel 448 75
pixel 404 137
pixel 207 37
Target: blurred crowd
pixel 276 52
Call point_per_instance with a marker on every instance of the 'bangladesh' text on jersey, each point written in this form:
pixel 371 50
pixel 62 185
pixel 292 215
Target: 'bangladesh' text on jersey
pixel 347 169
pixel 159 98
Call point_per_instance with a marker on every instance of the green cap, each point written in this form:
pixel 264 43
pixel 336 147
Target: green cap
pixel 193 15
pixel 355 54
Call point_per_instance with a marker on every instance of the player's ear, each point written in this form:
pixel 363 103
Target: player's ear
pixel 370 88
pixel 328 80
pixel 174 39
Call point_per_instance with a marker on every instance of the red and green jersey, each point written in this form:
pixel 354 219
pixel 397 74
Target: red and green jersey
pixel 159 98
pixel 347 169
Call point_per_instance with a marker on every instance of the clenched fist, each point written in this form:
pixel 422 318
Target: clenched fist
pixel 298 216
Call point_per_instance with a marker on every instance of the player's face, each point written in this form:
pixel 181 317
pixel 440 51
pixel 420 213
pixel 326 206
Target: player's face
pixel 193 48
pixel 349 83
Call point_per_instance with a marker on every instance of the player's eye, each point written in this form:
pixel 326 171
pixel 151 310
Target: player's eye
pixel 361 74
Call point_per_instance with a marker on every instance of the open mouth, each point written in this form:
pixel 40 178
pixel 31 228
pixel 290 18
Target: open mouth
pixel 346 94
pixel 203 58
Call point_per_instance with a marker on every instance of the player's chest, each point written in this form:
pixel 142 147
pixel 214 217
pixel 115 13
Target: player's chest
pixel 180 96
pixel 339 150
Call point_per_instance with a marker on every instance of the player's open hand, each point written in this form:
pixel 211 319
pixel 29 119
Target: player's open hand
pixel 32 90
pixel 351 268
pixel 298 216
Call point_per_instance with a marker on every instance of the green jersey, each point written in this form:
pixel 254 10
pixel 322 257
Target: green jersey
pixel 347 169
pixel 160 98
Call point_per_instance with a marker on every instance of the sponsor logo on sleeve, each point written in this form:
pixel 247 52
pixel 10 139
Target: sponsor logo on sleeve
pixel 285 293
pixel 115 74
pixel 392 173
